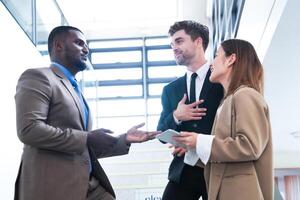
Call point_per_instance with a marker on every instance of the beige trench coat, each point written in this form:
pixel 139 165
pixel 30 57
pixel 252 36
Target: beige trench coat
pixel 240 165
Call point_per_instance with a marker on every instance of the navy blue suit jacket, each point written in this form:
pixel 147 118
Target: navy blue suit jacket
pixel 172 93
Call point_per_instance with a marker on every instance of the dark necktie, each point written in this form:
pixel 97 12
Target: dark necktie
pixel 82 102
pixel 193 88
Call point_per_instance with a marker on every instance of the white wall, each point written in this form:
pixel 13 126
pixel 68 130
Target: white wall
pixel 272 27
pixel 17 53
pixel 282 85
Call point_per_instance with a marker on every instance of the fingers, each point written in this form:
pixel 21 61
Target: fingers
pixel 182 101
pixel 196 103
pixel 178 151
pixel 151 135
pixel 106 130
pixel 181 152
pixel 138 136
pixel 139 125
pixel 189 139
pixel 197 113
pixel 185 133
pixel 180 139
pixel 199 110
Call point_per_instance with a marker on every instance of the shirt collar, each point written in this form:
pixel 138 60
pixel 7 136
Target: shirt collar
pixel 201 72
pixel 65 71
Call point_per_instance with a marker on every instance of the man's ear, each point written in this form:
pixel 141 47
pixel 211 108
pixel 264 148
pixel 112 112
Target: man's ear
pixel 58 46
pixel 199 41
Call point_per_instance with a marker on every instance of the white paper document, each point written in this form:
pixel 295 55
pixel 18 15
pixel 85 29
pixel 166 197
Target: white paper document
pixel 167 136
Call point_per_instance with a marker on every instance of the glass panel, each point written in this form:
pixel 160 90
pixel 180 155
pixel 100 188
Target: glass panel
pixel 121 107
pixel 160 55
pixel 93 108
pixel 22 12
pixel 116 43
pixel 90 92
pixel 158 41
pixel 156 88
pixel 117 57
pixel 114 91
pixel 45 23
pixel 46 58
pixel 93 112
pixel 154 106
pixel 113 74
pixel 166 71
pixel 120 124
pixel 42 47
pixel 152 122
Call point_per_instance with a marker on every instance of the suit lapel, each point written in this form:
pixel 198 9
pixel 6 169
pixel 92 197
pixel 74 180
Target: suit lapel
pixel 182 89
pixel 206 86
pixel 71 90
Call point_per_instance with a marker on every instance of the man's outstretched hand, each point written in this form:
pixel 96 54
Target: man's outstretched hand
pixel 134 135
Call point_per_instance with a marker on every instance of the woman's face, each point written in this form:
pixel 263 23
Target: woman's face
pixel 220 69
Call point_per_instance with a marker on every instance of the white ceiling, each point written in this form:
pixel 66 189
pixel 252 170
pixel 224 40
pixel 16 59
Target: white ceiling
pixel 100 19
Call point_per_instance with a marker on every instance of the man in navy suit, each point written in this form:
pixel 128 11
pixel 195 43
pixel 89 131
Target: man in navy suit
pixel 189 104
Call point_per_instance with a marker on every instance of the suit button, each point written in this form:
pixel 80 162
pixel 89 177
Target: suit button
pixel 195 125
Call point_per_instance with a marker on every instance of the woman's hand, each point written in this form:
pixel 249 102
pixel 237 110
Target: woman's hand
pixel 178 151
pixel 189 139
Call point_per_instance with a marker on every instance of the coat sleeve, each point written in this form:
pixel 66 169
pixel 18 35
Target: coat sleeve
pixel 166 120
pixel 117 148
pixel 252 130
pixel 32 98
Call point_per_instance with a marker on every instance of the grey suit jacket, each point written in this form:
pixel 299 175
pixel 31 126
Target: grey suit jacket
pixel 240 165
pixel 55 160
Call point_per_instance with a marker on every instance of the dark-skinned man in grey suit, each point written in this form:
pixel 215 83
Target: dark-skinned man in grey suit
pixel 60 152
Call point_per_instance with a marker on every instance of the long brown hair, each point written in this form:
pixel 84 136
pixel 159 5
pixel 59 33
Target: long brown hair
pixel 247 69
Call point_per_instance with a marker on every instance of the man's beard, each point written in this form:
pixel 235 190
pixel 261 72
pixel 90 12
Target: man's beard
pixel 80 65
pixel 181 60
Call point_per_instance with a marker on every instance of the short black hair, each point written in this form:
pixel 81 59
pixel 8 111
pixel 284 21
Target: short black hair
pixel 192 28
pixel 58 31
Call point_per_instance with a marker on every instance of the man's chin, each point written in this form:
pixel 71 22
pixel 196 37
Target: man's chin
pixel 180 62
pixel 81 66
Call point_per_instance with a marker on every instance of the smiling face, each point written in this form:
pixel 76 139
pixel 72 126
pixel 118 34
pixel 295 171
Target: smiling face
pixel 221 67
pixel 184 48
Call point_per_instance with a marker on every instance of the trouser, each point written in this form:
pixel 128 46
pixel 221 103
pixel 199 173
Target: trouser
pixel 191 187
pixel 97 192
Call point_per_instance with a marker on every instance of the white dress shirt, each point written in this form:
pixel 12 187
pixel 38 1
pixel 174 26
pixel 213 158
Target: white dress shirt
pixel 201 72
pixel 204 142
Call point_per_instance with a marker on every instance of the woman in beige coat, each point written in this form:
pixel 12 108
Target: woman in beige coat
pixel 238 153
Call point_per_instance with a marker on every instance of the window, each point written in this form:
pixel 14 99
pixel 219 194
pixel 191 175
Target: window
pixel 160 55
pixel 117 57
pixel 166 71
pixel 127 80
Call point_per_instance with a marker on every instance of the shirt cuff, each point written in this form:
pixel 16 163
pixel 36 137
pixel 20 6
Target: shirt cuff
pixel 191 157
pixel 177 122
pixel 203 148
